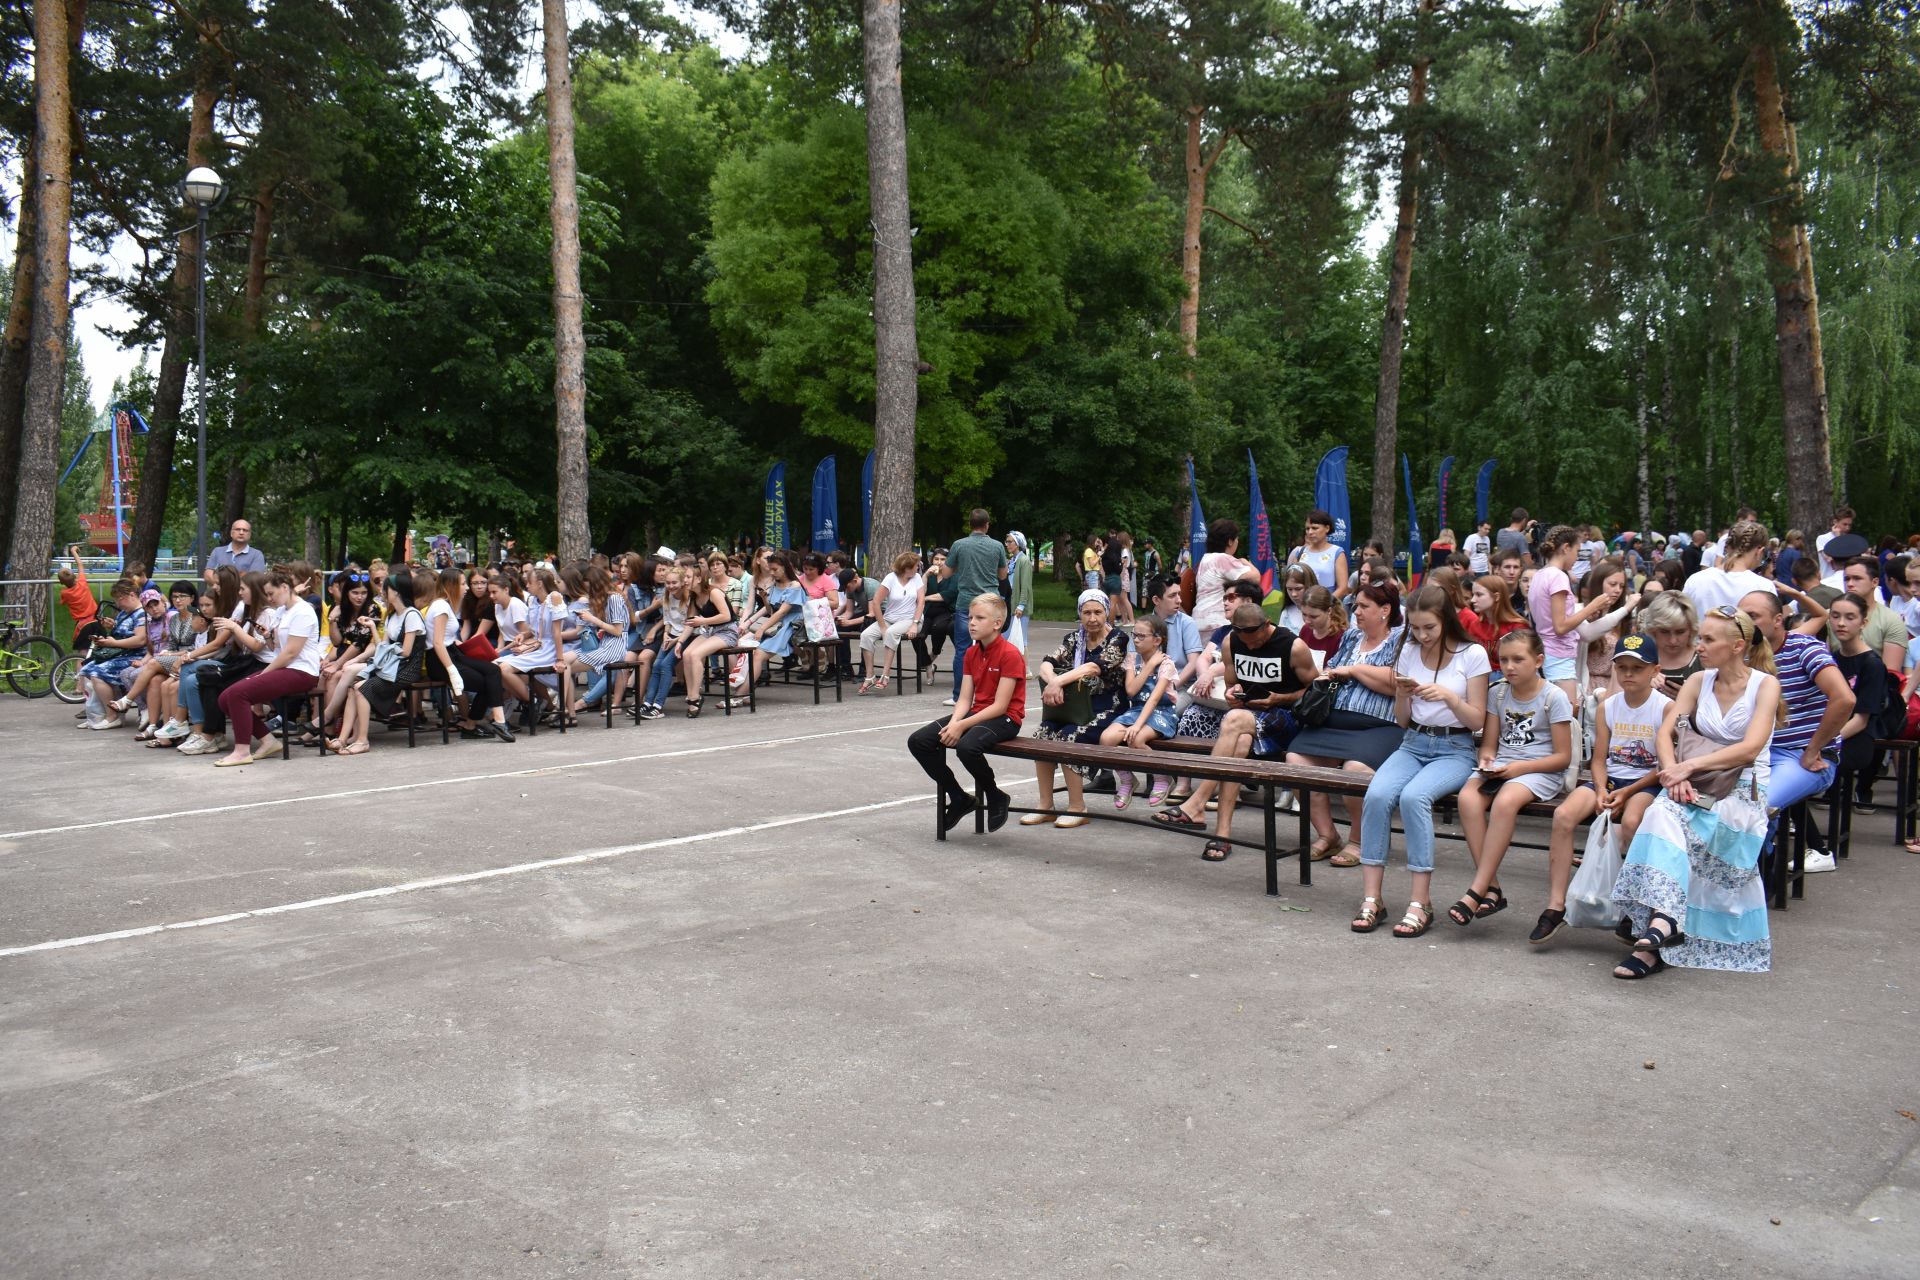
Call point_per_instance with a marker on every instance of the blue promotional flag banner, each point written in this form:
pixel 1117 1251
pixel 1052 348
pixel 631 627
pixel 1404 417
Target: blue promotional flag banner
pixel 1197 523
pixel 866 510
pixel 1330 496
pixel 774 523
pixel 1446 478
pixel 1260 533
pixel 1483 490
pixel 826 506
pixel 1416 557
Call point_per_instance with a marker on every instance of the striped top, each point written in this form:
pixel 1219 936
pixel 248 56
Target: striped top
pixel 1800 660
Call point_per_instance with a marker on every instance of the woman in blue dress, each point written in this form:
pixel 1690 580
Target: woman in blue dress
pixel 107 679
pixel 774 628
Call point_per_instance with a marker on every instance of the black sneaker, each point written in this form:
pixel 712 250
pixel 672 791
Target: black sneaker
pixel 1551 922
pixel 954 811
pixel 1867 807
pixel 997 805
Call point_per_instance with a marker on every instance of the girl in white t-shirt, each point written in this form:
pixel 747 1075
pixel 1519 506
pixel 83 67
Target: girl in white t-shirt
pixel 1440 701
pixel 288 641
pixel 1525 747
pixel 896 612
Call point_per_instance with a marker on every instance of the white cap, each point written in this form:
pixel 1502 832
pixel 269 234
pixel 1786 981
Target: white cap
pixel 664 553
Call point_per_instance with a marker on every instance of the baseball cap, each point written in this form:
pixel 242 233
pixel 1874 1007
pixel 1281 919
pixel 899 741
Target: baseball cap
pixel 1639 647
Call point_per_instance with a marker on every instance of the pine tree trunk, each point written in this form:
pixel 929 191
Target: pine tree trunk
pixel 31 544
pixel 1393 326
pixel 235 503
pixel 1670 425
pixel 16 346
pixel 1796 308
pixel 253 318
pixel 1733 416
pixel 170 383
pixel 569 338
pixel 1200 162
pixel 1706 443
pixel 896 342
pixel 398 556
pixel 1643 499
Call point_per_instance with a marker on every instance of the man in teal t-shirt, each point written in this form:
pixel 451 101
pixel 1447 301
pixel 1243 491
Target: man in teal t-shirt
pixel 976 566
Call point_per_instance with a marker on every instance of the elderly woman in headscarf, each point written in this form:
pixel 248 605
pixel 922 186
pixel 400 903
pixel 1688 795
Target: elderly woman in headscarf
pixel 1083 685
pixel 1019 589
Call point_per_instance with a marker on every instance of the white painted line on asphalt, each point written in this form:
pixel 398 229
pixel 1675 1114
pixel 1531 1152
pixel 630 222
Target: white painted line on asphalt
pixel 469 877
pixel 448 782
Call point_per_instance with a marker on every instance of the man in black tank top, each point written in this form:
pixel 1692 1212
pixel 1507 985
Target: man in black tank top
pixel 1271 668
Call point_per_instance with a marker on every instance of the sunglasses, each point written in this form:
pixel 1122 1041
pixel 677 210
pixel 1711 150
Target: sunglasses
pixel 358 577
pixel 1249 631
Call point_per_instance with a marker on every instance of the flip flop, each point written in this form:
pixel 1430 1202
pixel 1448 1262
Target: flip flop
pixel 1178 820
pixel 1216 851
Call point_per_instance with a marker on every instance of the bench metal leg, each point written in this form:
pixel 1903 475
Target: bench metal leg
pixel 1306 834
pixel 1273 842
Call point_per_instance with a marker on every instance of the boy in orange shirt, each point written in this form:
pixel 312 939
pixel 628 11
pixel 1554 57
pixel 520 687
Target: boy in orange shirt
pixel 77 596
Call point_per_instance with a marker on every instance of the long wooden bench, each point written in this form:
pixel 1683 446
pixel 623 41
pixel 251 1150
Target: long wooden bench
pixel 1264 776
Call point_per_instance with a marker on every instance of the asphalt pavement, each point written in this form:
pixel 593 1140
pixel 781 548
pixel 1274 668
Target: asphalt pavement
pixel 705 999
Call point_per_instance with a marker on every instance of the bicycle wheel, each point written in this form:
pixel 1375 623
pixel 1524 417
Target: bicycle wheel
pixel 66 679
pixel 30 671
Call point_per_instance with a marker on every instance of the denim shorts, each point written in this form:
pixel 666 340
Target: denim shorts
pixel 1560 669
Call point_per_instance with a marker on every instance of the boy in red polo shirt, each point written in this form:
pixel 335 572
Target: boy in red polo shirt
pixel 991 704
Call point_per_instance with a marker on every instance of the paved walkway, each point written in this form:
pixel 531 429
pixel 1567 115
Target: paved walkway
pixel 706 1000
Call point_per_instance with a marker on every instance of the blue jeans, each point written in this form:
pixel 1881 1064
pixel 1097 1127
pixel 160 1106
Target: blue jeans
pixel 190 691
pixel 660 679
pixel 1789 784
pixel 1423 769
pixel 962 641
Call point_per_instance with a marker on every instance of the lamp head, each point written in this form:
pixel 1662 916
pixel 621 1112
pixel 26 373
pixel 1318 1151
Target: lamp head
pixel 202 187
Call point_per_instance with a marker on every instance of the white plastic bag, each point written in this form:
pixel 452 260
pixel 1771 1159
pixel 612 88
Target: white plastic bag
pixel 818 615
pixel 1590 896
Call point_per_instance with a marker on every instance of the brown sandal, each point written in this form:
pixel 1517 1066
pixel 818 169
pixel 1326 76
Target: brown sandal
pixel 1347 857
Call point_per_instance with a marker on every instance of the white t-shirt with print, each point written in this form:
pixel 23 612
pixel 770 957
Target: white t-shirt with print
pixel 1632 733
pixel 1463 665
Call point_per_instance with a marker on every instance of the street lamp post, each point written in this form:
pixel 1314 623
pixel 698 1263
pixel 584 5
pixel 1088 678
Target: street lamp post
pixel 204 190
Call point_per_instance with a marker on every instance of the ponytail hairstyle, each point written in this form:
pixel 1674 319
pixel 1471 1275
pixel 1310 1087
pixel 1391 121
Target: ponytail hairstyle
pixel 1154 623
pixel 1439 602
pixel 1558 537
pixel 1318 597
pixel 549 581
pixel 1744 537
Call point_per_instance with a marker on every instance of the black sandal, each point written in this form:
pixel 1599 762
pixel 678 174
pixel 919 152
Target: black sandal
pixel 1216 850
pixel 1552 920
pixel 1653 940
pixel 1624 930
pixel 1462 914
pixel 693 708
pixel 1637 968
pixel 1492 906
pixel 1178 820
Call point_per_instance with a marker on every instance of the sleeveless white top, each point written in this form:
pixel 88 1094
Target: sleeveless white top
pixel 1321 562
pixel 1731 726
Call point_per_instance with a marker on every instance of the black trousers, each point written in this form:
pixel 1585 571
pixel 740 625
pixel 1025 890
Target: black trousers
pixel 927 748
pixel 481 680
pixel 213 684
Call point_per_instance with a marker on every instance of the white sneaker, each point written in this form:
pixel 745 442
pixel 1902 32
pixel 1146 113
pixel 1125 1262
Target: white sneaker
pixel 196 745
pixel 948 702
pixel 173 729
pixel 112 723
pixel 146 717
pixel 1818 860
pixel 223 743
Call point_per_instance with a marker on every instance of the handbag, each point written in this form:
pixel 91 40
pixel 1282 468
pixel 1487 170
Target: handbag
pixel 818 615
pixel 394 666
pixel 1709 784
pixel 1076 706
pixel 1316 704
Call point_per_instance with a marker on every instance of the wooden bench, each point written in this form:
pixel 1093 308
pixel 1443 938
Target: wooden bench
pixel 1264 776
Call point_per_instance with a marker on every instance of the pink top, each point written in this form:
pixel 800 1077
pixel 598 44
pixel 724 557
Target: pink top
pixel 1547 582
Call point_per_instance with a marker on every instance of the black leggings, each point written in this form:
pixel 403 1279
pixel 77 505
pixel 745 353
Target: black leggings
pixel 482 681
pixel 213 684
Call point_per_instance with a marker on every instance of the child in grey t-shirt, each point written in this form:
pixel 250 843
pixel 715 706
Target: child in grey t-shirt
pixel 1525 748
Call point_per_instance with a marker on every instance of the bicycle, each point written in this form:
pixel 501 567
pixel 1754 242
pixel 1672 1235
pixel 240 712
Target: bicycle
pixel 29 663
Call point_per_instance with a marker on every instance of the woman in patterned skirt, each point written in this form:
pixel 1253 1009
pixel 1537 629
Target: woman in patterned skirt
pixel 1691 885
pixel 1091 660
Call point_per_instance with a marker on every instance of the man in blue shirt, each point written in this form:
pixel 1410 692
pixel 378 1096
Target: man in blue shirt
pixel 239 552
pixel 976 566
pixel 1183 637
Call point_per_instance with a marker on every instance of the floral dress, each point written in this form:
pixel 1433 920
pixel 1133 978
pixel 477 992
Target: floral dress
pixel 114 669
pixel 1108 688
